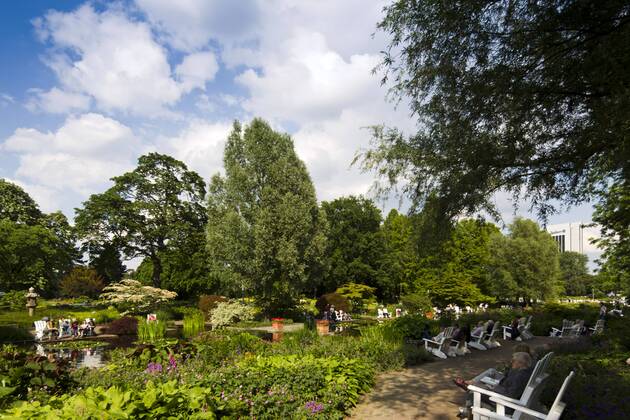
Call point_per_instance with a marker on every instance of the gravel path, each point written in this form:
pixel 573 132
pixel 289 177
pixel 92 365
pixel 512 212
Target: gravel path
pixel 427 391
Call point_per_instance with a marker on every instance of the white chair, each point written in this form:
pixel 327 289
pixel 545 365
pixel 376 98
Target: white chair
pixel 476 341
pixel 490 340
pixel 564 331
pixel 379 312
pixel 554 413
pixel 385 313
pixel 598 328
pixel 526 334
pixel 41 329
pixel 530 396
pixel 440 346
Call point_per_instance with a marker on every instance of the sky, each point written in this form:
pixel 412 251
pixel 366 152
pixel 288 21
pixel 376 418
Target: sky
pixel 88 87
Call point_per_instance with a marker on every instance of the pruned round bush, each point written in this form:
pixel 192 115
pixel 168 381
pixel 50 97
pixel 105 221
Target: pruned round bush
pixel 227 313
pixel 332 299
pixel 81 281
pixel 208 302
pixel 126 325
pixel 416 303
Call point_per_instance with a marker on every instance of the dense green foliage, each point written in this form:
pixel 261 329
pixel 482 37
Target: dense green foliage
pixel 525 263
pixel 575 276
pixel 148 211
pixel 81 281
pixel 399 260
pixel 526 97
pixel 265 233
pixel 16 205
pixel 355 243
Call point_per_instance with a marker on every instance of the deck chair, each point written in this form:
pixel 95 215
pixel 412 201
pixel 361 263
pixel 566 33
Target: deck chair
pixel 554 413
pixel 440 347
pixel 526 334
pixel 379 312
pixel 598 328
pixel 41 329
pixel 476 341
pixel 564 331
pixel 530 396
pixel 490 340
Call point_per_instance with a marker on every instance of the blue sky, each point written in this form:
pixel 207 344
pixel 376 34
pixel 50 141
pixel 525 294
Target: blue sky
pixel 87 87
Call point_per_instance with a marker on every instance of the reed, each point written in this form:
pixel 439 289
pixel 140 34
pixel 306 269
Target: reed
pixel 151 331
pixel 194 323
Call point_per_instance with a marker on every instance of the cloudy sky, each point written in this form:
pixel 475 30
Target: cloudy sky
pixel 87 87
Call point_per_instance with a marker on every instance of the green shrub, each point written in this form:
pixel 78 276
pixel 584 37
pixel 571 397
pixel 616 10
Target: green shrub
pixel 359 296
pixel 14 299
pixel 152 331
pixel 12 333
pixel 332 299
pixel 156 400
pixel 81 281
pixel 227 313
pixel 207 303
pixel 194 323
pixel 416 303
pixel 126 325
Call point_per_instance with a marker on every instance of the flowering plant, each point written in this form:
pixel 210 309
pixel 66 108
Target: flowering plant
pixel 134 296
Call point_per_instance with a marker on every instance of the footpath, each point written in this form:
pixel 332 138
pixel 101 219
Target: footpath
pixel 427 391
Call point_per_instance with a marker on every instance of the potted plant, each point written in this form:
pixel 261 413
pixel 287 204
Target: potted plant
pixel 277 323
pixel 323 326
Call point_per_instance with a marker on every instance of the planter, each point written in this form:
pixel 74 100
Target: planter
pixel 322 326
pixel 277 324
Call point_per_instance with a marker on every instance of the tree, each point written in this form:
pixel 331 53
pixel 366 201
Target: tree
pixel 574 273
pixel 81 281
pixel 355 243
pixel 530 98
pixel 133 296
pixel 105 259
pixel 265 232
pixel 148 211
pixel 525 263
pixel 16 205
pixel 399 260
pixel 613 215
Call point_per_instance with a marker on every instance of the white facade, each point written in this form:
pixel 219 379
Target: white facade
pixel 575 237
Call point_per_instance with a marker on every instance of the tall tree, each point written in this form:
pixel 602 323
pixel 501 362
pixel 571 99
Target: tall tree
pixel 16 205
pixel 265 231
pixel 399 261
pixel 525 263
pixel 148 211
pixel 528 97
pixel 355 243
pixel 574 271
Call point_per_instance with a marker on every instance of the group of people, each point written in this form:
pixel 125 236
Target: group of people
pixel 67 327
pixel 333 315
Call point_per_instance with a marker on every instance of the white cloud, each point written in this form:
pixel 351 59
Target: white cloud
pixel 188 25
pixel 6 100
pixel 199 145
pixel 80 156
pixel 196 70
pixel 57 101
pixel 116 60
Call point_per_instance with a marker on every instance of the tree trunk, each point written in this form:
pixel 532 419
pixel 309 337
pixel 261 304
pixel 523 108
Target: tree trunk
pixel 157 271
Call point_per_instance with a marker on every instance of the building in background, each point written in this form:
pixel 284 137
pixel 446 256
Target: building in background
pixel 576 237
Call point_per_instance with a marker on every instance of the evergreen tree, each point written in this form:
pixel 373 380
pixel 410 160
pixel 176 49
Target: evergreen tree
pixel 574 271
pixel 265 233
pixel 399 261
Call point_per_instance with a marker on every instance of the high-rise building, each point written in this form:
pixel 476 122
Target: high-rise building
pixel 576 237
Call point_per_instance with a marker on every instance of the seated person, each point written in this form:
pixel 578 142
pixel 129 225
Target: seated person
pixel 426 332
pixel 489 326
pixel 75 327
pixel 479 329
pixel 65 327
pixel 512 384
pixel 514 332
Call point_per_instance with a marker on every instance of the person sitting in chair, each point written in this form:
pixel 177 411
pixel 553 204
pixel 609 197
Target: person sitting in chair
pixel 511 385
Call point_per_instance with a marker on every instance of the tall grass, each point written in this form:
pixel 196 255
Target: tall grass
pixel 194 323
pixel 151 331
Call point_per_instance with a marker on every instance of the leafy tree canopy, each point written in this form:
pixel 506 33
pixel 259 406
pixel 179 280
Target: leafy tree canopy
pixel 148 210
pixel 531 98
pixel 16 205
pixel 399 261
pixel 355 244
pixel 265 231
pixel 574 271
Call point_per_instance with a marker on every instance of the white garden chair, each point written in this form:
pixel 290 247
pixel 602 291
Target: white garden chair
pixel 530 396
pixel 379 312
pixel 490 340
pixel 41 329
pixel 599 327
pixel 554 413
pixel 525 332
pixel 441 346
pixel 565 331
pixel 476 341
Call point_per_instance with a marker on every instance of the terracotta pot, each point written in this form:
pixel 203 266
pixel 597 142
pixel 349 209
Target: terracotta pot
pixel 277 325
pixel 322 326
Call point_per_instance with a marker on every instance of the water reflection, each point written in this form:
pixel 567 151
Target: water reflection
pixel 90 357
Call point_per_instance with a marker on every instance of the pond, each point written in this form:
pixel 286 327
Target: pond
pixel 93 355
